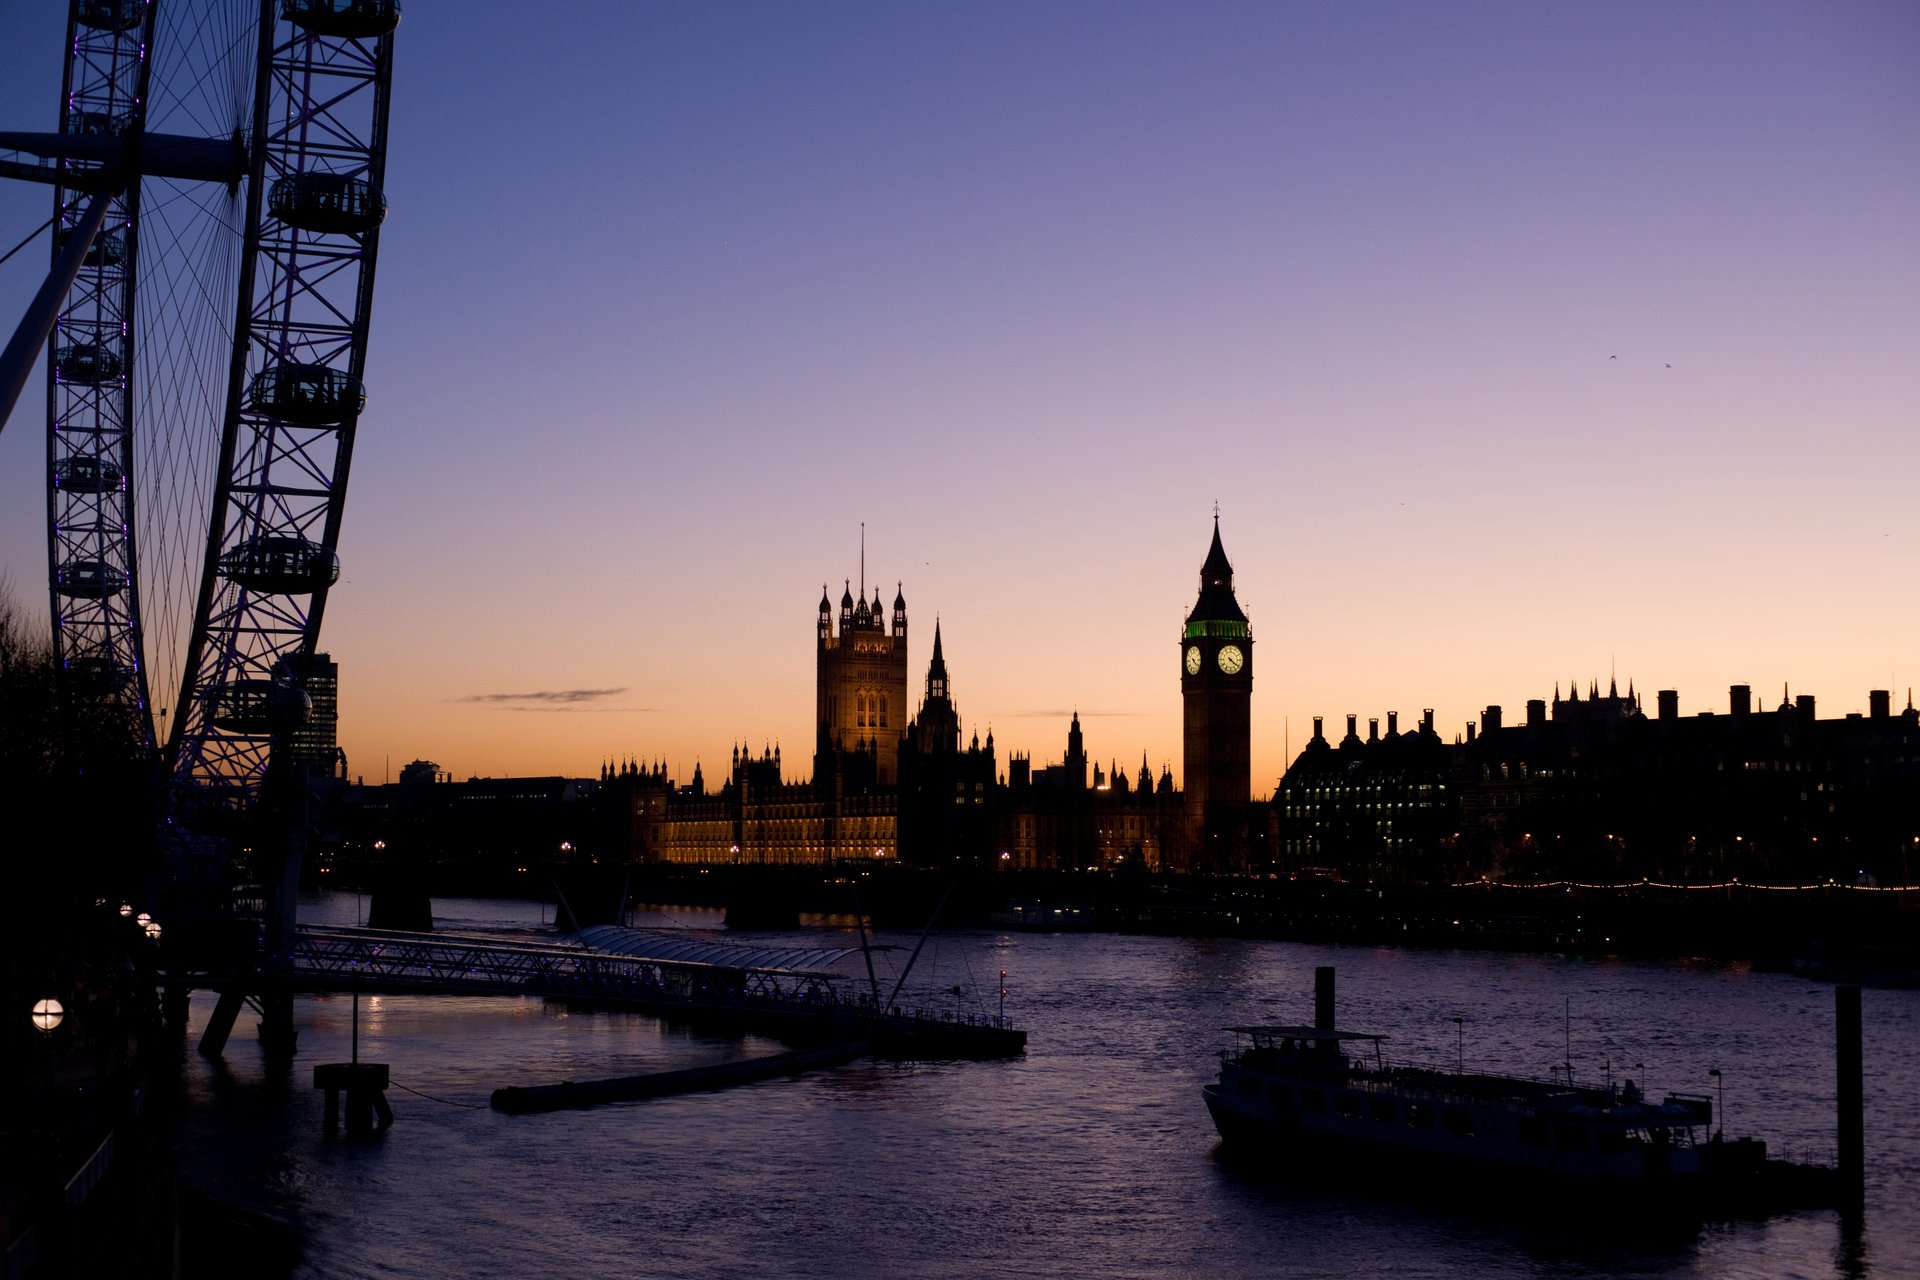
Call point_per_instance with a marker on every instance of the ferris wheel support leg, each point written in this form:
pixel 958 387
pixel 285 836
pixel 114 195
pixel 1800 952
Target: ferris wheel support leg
pixel 17 361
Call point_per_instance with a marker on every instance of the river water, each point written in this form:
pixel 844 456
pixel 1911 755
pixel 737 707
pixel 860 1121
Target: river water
pixel 1092 1155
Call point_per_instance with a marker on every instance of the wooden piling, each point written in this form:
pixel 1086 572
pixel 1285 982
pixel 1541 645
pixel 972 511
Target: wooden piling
pixel 1849 1091
pixel 365 1084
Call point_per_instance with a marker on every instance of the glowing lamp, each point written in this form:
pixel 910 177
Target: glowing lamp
pixel 48 1014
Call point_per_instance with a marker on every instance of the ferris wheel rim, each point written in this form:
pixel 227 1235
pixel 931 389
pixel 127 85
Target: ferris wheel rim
pixel 343 38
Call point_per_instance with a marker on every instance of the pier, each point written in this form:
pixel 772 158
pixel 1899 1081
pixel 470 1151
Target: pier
pixel 803 1005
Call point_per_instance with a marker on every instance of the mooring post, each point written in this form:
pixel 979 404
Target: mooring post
pixel 1849 1091
pixel 1323 998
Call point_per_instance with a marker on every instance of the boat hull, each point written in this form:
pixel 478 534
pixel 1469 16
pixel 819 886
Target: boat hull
pixel 1496 1179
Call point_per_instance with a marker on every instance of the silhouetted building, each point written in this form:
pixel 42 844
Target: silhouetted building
pixel 1216 692
pixel 1592 789
pixel 945 806
pixel 1056 817
pixel 947 793
pixel 1379 809
pixel 860 692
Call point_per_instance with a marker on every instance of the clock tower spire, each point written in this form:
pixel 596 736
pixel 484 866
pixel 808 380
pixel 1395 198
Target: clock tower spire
pixel 1216 692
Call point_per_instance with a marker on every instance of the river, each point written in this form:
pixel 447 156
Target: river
pixel 1092 1155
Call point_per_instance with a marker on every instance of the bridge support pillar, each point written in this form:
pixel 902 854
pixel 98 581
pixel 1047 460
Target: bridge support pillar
pixel 277 1034
pixel 213 1041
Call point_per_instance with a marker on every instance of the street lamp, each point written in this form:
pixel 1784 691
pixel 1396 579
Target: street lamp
pixel 48 1014
pixel 153 930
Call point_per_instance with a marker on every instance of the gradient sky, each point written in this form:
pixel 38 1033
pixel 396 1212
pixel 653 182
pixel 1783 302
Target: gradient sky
pixel 1518 343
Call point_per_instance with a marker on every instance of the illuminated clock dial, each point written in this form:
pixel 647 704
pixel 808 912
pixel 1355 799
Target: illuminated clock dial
pixel 1231 659
pixel 1193 659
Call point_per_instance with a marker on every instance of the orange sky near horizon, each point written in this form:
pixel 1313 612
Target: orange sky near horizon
pixel 1516 347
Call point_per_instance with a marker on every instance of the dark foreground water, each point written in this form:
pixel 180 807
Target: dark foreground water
pixel 1090 1156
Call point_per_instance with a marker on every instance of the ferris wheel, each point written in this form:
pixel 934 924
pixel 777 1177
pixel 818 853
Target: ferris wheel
pixel 218 178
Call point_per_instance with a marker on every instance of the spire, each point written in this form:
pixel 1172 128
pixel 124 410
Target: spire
pixel 937 688
pixel 1216 602
pixel 1216 564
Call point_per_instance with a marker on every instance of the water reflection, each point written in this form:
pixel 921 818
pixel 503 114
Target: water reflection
pixel 1090 1155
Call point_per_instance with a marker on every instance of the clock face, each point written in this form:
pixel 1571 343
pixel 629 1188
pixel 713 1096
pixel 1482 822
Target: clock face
pixel 1231 659
pixel 1193 659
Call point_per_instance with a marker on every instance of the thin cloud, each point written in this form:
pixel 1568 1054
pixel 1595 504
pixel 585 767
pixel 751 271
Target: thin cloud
pixel 547 699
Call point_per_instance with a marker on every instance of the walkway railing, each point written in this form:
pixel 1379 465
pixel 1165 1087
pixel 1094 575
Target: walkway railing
pixel 341 958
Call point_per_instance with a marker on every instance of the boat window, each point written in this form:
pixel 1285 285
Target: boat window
pixel 1281 1094
pixel 1419 1115
pixel 1459 1121
pixel 1314 1100
pixel 1383 1110
pixel 1348 1106
pixel 1611 1141
pixel 1533 1131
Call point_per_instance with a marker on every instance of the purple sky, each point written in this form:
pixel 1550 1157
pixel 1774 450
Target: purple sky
pixel 672 298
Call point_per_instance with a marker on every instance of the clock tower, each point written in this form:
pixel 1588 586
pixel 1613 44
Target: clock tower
pixel 1216 690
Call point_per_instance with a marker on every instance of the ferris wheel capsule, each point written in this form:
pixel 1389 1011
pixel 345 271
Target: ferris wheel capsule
pixel 88 364
pixel 257 706
pixel 86 474
pixel 110 15
pixel 312 395
pixel 280 565
pixel 105 251
pixel 354 19
pixel 97 675
pixel 96 124
pixel 91 579
pixel 327 202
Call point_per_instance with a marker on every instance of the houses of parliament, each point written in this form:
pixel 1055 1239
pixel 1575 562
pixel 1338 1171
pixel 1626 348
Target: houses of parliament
pixel 891 784
pixel 1589 788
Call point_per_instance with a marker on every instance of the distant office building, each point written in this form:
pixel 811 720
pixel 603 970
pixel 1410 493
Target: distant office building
pixel 315 743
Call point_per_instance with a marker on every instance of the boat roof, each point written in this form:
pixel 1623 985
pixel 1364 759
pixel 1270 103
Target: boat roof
pixel 1306 1033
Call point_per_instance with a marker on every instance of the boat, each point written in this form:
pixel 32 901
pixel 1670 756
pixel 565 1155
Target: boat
pixel 1303 1094
pixel 1325 1103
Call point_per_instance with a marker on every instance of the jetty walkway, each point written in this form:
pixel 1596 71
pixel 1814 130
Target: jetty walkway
pixel 729 985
